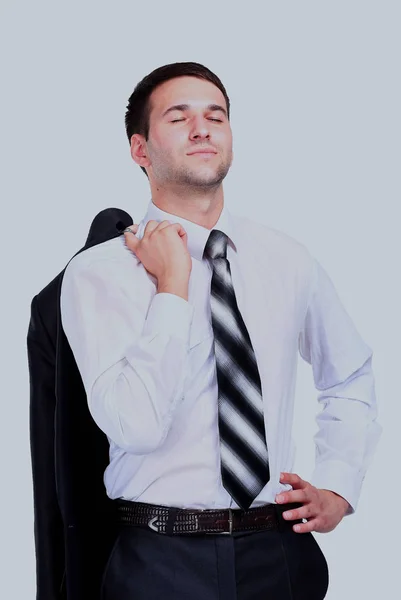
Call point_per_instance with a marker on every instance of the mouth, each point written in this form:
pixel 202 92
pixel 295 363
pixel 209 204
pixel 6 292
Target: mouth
pixel 204 152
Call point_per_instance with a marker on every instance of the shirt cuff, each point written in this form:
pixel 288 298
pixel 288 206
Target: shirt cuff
pixel 169 314
pixel 341 478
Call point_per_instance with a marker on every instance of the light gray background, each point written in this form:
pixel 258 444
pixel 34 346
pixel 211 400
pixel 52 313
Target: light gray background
pixel 315 91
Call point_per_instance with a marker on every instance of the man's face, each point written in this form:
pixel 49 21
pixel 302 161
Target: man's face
pixel 188 116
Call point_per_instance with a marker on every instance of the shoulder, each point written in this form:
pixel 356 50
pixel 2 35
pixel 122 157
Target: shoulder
pixel 104 259
pixel 274 245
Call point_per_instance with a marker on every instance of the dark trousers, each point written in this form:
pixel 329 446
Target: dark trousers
pixel 267 565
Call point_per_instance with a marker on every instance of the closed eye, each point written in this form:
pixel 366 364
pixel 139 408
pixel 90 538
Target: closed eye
pixel 210 119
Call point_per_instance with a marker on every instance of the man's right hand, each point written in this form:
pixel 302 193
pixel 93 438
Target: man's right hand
pixel 164 254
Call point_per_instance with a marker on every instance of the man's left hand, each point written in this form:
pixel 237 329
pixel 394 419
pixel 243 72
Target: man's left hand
pixel 323 509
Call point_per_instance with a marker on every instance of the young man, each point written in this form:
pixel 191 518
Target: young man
pixel 186 331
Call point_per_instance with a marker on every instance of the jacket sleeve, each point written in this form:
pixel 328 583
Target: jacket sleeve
pixel 48 526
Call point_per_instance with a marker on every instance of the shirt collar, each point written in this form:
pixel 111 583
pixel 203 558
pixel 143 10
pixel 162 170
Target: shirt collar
pixel 197 234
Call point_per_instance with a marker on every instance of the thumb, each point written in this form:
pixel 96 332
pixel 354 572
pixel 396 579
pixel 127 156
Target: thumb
pixel 130 237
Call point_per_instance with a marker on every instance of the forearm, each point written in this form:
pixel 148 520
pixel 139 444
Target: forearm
pixel 134 401
pixel 348 434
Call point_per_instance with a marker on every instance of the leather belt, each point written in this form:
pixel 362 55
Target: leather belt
pixel 181 521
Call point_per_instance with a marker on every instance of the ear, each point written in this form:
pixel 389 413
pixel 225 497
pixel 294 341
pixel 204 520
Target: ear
pixel 139 150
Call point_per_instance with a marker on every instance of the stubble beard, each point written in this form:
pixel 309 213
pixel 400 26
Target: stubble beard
pixel 200 179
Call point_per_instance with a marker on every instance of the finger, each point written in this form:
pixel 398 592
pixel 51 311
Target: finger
pixel 163 224
pixel 152 225
pixel 181 232
pixel 303 512
pixel 293 496
pixel 131 229
pixel 130 238
pixel 293 479
pixel 311 525
pixel 177 227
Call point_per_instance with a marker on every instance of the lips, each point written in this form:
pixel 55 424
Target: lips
pixel 203 151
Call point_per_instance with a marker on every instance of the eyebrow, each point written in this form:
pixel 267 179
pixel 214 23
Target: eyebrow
pixel 183 107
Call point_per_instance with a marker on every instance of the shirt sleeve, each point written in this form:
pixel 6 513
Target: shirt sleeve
pixel 341 362
pixel 132 361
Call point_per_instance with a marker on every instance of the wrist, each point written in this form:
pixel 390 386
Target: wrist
pixel 340 500
pixel 179 288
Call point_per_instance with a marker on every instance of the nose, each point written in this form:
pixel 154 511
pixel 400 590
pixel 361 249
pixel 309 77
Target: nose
pixel 200 129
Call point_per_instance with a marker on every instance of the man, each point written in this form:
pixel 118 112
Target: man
pixel 186 331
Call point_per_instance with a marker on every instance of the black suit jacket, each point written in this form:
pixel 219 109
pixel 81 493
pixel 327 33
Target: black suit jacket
pixel 74 526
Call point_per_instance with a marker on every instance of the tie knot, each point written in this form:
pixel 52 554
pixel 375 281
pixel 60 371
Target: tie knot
pixel 216 245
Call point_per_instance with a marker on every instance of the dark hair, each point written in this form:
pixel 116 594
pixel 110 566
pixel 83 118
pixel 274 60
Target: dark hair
pixel 138 109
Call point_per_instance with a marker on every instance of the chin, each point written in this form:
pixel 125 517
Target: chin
pixel 209 176
pixel 207 181
pixel 205 176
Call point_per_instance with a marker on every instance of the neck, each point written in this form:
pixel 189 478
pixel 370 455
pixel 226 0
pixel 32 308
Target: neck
pixel 198 206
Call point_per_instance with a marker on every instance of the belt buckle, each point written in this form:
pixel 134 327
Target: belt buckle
pixel 230 522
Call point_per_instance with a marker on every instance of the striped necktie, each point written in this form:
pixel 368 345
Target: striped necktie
pixel 243 449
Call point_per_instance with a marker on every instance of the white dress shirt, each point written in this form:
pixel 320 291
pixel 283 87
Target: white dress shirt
pixel 148 365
